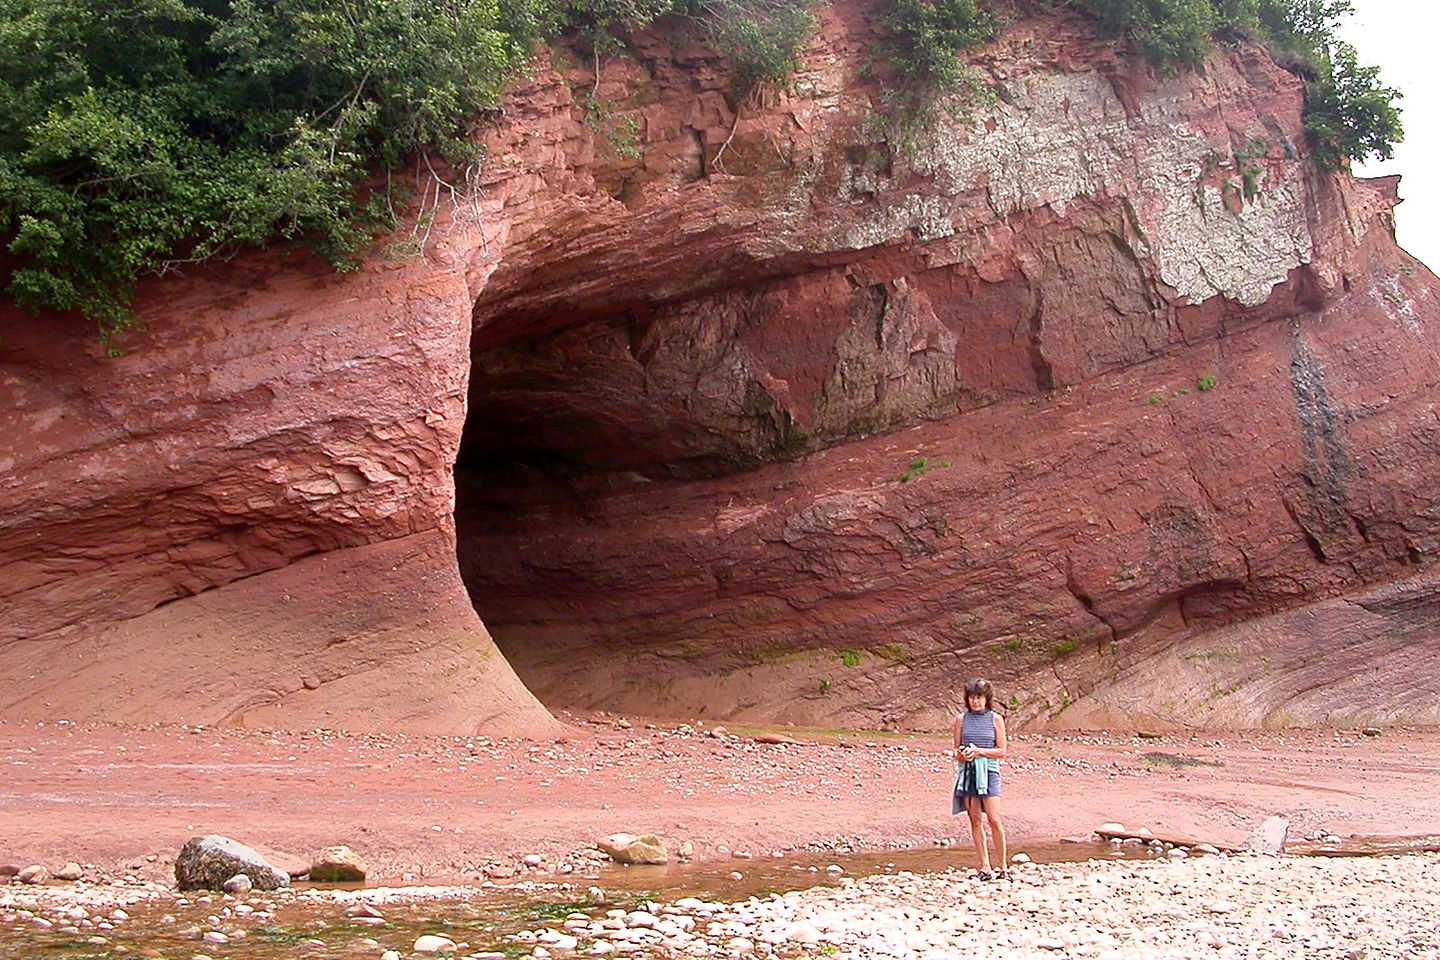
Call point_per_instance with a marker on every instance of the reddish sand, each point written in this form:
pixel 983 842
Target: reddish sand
pixel 124 798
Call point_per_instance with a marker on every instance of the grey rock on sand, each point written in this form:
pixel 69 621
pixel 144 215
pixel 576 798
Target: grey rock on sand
pixel 206 863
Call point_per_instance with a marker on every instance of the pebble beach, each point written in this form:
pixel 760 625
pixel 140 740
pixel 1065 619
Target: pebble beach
pixel 1214 907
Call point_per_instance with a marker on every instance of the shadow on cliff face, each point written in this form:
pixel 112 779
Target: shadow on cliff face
pixel 1136 548
pixel 819 501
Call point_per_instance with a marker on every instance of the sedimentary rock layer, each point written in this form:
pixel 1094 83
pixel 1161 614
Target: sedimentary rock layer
pixel 245 517
pixel 1132 372
pixel 796 408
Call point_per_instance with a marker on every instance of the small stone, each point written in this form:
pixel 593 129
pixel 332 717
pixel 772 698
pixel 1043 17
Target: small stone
pixel 1020 858
pixel 802 933
pixel 1220 906
pixel 364 910
pixel 1371 732
pixel 1049 943
pixel 1269 837
pixel 239 883
pixel 533 860
pixel 433 943
pixel 629 848
pixel 71 871
pixel 34 873
pixel 215 936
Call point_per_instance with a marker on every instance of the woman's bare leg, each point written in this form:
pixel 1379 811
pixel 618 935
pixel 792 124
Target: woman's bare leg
pixel 997 829
pixel 975 809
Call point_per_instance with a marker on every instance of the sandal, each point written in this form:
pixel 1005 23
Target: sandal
pixel 1002 874
pixel 981 875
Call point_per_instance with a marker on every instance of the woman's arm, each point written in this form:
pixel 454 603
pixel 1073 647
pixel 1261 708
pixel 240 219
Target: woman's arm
pixel 999 749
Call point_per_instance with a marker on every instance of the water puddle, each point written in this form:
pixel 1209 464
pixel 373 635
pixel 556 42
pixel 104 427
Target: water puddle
pixel 765 875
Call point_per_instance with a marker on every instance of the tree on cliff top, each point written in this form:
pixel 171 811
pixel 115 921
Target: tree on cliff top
pixel 136 135
pixel 137 132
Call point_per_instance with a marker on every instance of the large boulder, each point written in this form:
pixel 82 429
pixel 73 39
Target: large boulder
pixel 206 863
pixel 338 864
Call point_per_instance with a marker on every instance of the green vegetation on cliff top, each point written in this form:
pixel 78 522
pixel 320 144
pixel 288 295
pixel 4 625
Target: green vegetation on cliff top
pixel 1348 114
pixel 138 135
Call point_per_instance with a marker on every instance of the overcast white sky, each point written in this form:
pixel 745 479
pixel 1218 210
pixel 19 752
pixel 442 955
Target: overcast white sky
pixel 1395 35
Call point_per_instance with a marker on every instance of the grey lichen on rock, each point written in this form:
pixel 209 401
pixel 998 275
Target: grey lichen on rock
pixel 1061 138
pixel 206 863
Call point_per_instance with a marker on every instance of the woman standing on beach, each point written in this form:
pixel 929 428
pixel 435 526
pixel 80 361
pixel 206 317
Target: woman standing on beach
pixel 979 745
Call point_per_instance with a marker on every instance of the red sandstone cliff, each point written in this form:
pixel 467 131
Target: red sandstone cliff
pixel 1171 383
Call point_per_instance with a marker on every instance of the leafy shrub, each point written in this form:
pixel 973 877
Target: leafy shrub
pixel 138 133
pixel 923 39
pixel 1348 115
pixel 763 38
pixel 1166 32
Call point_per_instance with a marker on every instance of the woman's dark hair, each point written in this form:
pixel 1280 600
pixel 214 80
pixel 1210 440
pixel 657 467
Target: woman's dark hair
pixel 979 688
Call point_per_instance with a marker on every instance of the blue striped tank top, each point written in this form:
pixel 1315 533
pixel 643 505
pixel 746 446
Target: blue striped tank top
pixel 978 727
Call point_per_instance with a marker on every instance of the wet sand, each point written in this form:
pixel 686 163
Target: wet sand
pixel 121 800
